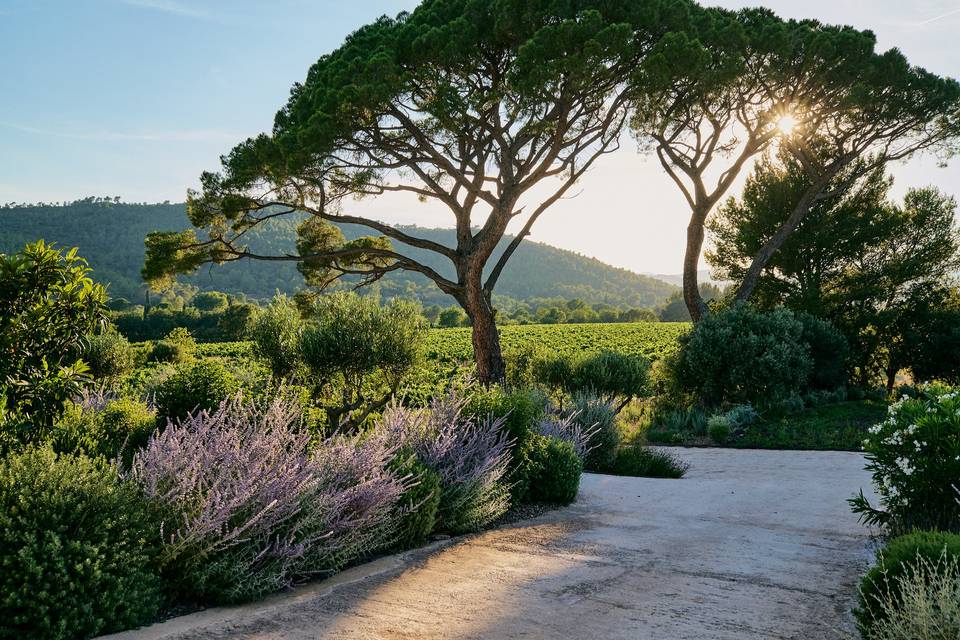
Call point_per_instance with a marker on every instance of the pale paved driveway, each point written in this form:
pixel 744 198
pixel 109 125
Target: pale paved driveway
pixel 751 544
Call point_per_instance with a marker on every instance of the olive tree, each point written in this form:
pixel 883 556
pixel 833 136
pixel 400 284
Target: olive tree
pixel 359 353
pixel 494 110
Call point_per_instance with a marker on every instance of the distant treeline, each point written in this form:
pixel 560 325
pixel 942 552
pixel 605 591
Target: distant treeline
pixel 110 235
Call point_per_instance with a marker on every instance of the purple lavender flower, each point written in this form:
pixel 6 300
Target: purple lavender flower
pixel 249 508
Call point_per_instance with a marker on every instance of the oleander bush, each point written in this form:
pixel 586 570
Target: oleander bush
pixel 248 509
pixel 914 458
pixel 75 560
pixel 471 456
pixel 914 586
pixel 201 386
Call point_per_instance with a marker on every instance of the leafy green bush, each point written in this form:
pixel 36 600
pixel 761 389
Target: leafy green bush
pixel 178 346
pixel 519 409
pixel 914 458
pixel 73 561
pixel 615 377
pixel 417 507
pixel 210 301
pixel 598 416
pixel 121 427
pixel 882 589
pixel 201 386
pixel 718 428
pixel 108 355
pixel 828 349
pixel 360 352
pixel 744 355
pixel 741 415
pixel 646 462
pixel 551 470
pixel 49 303
pixel 275 333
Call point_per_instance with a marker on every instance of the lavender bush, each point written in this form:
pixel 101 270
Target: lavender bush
pixel 470 456
pixel 247 509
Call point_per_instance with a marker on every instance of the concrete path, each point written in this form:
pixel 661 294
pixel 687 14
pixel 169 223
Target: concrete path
pixel 751 544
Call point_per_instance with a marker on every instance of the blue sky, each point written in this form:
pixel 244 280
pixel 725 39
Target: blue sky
pixel 136 97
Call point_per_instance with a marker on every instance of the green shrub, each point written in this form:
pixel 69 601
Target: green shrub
pixel 615 377
pixel 718 428
pixel 210 301
pixel 48 303
pixel 598 416
pixel 360 352
pixel 520 363
pixel 828 349
pixel 108 355
pixel 236 321
pixel 646 462
pixel 417 507
pixel 276 333
pixel 744 355
pixel 519 409
pixel 550 469
pixel 73 561
pixel 926 604
pixel 119 429
pixel 201 386
pixel 178 346
pixel 741 415
pixel 914 458
pixel 881 590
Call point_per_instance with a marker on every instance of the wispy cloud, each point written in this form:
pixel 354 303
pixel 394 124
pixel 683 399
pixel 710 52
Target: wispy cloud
pixel 937 18
pixel 169 6
pixel 189 135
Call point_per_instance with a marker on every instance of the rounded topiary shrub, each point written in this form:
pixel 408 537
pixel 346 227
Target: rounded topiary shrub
pixel 73 558
pixel 417 508
pixel 202 386
pixel 742 355
pixel 552 470
pixel 108 355
pixel 880 589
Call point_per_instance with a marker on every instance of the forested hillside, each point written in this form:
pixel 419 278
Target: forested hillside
pixel 110 235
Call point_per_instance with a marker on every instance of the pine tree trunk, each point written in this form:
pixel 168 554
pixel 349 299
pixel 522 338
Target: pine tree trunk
pixel 491 368
pixel 691 261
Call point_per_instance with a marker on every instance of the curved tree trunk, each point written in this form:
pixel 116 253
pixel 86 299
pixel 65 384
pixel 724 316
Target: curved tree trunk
pixel 487 354
pixel 691 261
